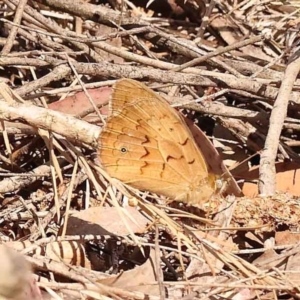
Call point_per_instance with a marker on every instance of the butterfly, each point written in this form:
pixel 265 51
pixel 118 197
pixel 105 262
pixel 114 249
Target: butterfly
pixel 147 145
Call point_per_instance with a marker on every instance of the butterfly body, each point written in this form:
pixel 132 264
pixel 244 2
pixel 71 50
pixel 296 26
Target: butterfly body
pixel 147 145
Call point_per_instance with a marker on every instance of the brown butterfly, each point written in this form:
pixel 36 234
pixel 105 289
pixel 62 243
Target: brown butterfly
pixel 147 145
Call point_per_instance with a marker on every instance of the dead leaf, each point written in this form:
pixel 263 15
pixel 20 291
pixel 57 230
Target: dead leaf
pixel 106 221
pixel 76 104
pixel 137 279
pixel 287 177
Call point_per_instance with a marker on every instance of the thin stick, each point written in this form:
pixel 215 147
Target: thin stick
pixel 13 33
pixel 267 162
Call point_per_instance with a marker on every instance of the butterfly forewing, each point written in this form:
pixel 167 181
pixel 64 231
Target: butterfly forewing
pixel 147 144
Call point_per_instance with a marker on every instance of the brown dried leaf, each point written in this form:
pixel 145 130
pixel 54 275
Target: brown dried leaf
pixel 137 279
pixel 76 104
pixel 106 221
pixel 287 177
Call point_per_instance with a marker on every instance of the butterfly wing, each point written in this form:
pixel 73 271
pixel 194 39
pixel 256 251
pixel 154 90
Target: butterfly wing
pixel 146 144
